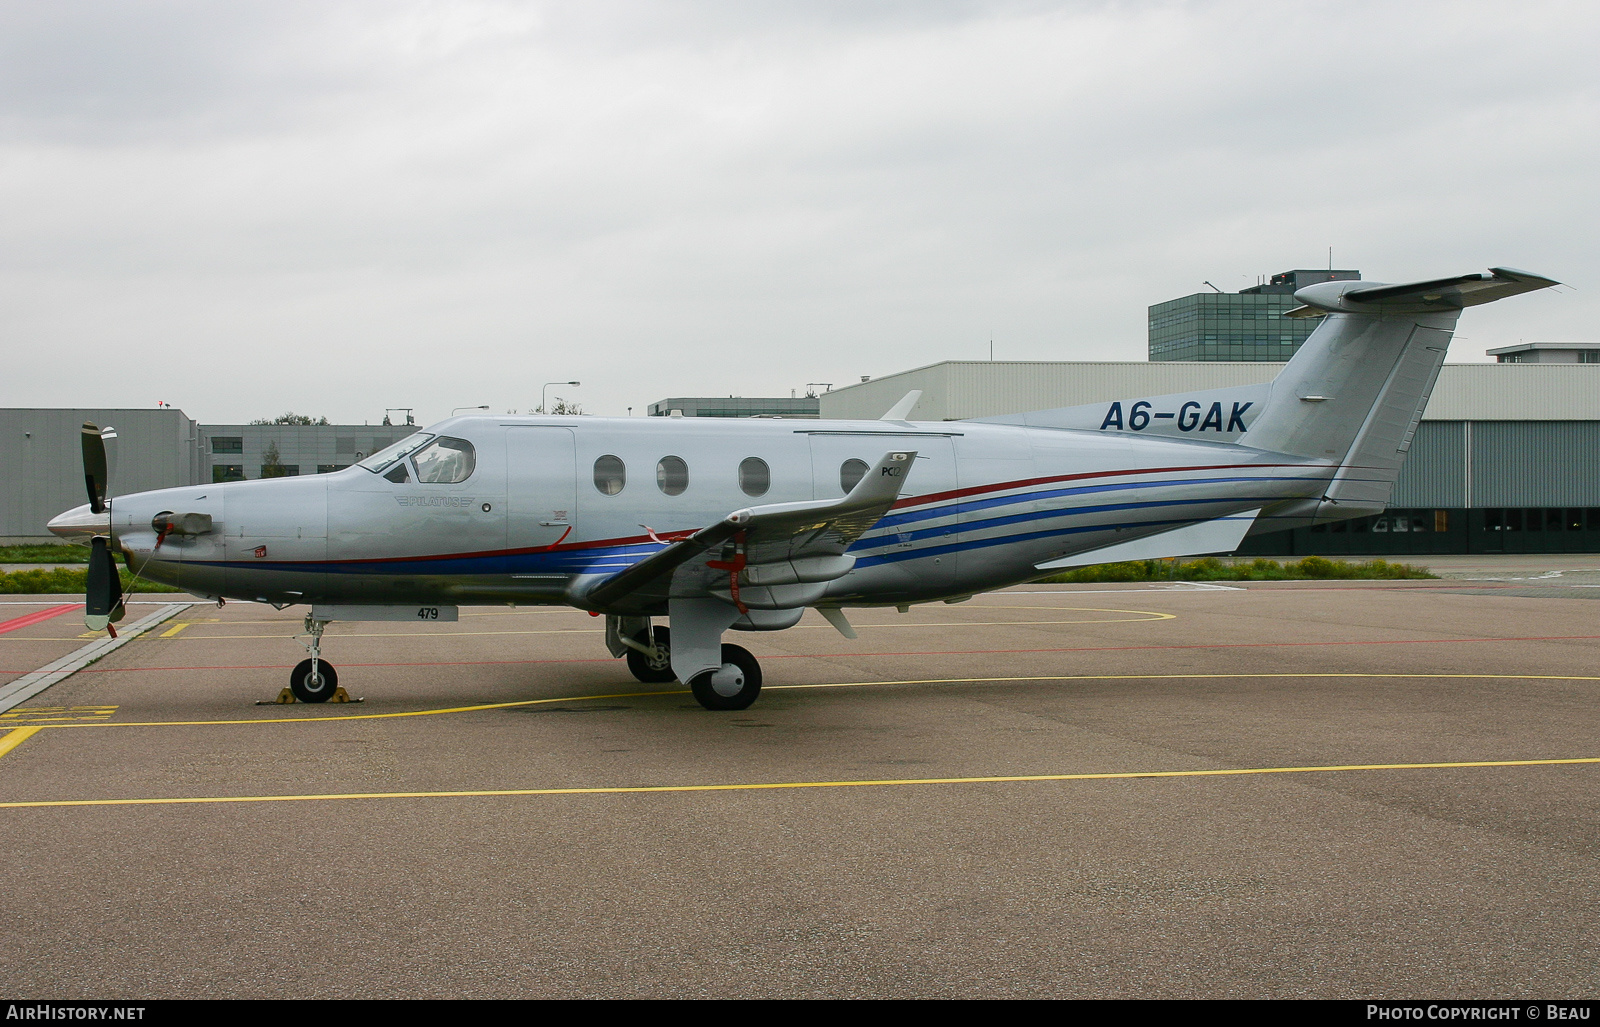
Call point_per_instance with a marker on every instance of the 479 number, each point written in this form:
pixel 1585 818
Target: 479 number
pixel 428 613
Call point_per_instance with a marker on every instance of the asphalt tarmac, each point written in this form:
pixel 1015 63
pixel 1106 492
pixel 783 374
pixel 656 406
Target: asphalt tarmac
pixel 1287 790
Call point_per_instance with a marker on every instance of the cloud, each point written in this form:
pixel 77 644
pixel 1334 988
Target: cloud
pixel 342 206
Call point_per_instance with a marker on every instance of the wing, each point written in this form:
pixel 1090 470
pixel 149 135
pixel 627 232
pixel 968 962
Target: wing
pixel 780 544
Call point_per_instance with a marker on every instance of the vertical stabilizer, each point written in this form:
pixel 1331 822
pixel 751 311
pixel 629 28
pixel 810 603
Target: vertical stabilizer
pixel 1356 389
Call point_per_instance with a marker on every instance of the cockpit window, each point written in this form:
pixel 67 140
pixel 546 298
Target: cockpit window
pixel 379 461
pixel 398 474
pixel 445 461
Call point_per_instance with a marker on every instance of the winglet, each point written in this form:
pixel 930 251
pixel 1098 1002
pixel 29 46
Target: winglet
pixel 902 410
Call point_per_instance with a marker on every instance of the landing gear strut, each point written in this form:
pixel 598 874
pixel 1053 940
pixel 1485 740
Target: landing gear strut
pixel 314 680
pixel 655 666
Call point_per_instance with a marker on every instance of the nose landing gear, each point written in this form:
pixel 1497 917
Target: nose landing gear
pixel 314 679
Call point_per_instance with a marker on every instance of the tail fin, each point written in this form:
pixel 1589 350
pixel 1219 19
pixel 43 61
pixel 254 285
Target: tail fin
pixel 1355 391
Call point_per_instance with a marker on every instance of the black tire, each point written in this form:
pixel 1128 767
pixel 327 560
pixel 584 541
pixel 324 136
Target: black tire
pixel 708 696
pixel 307 689
pixel 653 672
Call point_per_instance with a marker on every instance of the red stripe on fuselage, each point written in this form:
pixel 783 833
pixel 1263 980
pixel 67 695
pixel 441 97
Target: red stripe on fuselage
pixel 939 497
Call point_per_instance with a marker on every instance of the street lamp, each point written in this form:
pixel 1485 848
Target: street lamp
pixel 544 405
pixel 483 406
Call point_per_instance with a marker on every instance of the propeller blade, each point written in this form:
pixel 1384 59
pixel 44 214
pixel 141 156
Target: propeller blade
pixel 95 473
pixel 108 439
pixel 102 600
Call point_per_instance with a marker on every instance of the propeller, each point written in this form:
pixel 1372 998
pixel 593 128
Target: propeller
pixel 102 603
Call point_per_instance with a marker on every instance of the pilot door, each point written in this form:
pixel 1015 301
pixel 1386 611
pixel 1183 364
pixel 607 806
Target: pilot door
pixel 540 475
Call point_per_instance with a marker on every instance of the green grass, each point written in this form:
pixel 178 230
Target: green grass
pixel 46 553
pixel 66 581
pixel 1312 568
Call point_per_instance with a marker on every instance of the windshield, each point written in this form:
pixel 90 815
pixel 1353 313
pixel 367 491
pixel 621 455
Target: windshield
pixel 384 457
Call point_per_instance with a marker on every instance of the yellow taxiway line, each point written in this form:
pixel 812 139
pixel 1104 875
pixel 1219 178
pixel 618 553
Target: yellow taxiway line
pixel 342 717
pixel 788 785
pixel 15 737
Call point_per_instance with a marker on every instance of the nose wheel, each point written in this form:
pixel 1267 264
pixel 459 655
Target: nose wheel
pixel 314 681
pixel 732 687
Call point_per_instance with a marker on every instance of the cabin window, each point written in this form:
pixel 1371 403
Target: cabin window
pixel 378 462
pixel 672 475
pixel 610 475
pixel 755 478
pixel 445 461
pixel 850 473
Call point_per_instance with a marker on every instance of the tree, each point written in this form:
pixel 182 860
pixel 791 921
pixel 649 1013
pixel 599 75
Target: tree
pixel 272 465
pixel 293 418
pixel 562 407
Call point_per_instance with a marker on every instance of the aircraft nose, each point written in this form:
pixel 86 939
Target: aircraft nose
pixel 80 524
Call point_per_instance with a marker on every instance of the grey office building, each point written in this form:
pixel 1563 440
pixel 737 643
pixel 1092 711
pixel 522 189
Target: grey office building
pixel 736 406
pixel 1244 325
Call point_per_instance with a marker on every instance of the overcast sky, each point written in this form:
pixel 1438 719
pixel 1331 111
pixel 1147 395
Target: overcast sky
pixel 337 207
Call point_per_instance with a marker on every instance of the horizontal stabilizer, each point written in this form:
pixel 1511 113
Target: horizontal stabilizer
pixel 1220 535
pixel 1436 295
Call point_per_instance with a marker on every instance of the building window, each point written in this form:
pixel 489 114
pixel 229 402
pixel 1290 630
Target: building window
pixel 672 475
pixel 227 445
pixel 1589 356
pixel 330 468
pixel 754 476
pixel 227 472
pixel 279 470
pixel 851 472
pixel 610 475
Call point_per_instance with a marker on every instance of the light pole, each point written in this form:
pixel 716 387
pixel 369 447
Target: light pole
pixel 481 406
pixel 544 406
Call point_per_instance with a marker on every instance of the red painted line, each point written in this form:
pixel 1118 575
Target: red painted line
pixel 36 616
pixel 907 652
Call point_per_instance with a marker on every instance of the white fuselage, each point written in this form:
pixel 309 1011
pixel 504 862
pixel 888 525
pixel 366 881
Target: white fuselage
pixel 536 517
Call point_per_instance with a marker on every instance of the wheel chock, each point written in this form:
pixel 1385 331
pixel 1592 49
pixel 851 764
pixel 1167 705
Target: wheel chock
pixel 287 696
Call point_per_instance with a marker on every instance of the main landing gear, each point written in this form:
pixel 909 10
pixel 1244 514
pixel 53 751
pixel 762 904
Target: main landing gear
pixel 733 687
pixel 721 676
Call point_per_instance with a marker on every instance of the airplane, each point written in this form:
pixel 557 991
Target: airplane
pixel 743 525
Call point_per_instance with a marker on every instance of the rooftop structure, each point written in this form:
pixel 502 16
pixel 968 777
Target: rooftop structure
pixel 1548 353
pixel 1237 326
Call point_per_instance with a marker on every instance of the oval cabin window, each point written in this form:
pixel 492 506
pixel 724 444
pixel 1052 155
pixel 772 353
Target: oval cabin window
pixel 610 475
pixel 755 478
pixel 850 474
pixel 672 475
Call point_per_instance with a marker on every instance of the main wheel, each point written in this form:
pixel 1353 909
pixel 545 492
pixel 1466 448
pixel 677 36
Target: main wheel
pixel 741 681
pixel 309 688
pixel 653 672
